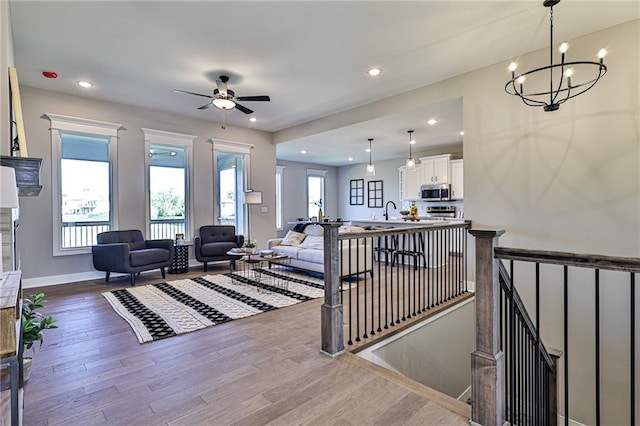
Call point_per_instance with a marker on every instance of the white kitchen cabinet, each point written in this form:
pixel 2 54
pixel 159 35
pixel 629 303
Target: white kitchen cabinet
pixel 435 169
pixel 410 182
pixel 457 179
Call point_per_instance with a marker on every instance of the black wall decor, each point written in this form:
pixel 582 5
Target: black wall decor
pixel 356 192
pixel 375 193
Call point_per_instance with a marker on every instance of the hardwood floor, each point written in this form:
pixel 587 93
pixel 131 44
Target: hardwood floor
pixel 264 369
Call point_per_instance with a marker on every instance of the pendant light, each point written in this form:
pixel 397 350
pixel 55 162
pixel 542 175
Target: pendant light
pixel 411 162
pixel 371 169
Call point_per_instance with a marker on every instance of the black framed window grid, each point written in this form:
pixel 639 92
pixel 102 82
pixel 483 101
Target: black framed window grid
pixel 356 192
pixel 375 193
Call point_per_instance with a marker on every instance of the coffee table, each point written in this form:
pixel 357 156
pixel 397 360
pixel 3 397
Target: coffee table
pixel 257 267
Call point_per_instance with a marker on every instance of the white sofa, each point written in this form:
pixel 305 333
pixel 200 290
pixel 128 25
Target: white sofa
pixel 310 257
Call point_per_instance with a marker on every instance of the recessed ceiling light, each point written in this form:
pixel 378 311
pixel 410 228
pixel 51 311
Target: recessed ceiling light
pixel 303 152
pixel 350 159
pixel 461 133
pixel 375 71
pixel 85 84
pixel 432 121
pixel 253 119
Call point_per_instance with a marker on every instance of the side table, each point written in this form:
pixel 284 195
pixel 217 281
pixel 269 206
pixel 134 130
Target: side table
pixel 180 264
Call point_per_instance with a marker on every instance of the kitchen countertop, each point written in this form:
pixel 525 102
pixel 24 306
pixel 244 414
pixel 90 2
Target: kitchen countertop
pixel 399 221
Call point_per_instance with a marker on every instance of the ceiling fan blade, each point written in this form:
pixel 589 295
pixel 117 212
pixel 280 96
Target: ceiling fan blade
pixel 222 88
pixel 254 98
pixel 244 109
pixel 205 106
pixel 192 93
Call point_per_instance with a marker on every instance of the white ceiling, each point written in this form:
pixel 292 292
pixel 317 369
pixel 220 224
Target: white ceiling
pixel 309 57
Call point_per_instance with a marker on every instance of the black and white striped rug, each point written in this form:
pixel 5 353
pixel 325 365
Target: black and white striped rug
pixel 164 310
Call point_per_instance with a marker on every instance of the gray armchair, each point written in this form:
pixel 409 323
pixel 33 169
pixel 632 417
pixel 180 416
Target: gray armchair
pixel 213 243
pixel 129 253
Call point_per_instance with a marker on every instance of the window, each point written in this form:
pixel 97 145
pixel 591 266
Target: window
pixel 83 178
pixel 232 165
pixel 279 201
pixel 315 191
pixel 167 184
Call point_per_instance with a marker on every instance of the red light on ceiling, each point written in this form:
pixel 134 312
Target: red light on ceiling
pixel 50 74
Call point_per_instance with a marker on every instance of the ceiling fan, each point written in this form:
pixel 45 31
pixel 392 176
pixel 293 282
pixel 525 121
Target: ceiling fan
pixel 224 98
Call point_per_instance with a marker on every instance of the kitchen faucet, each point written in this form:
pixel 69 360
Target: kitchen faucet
pixel 386 209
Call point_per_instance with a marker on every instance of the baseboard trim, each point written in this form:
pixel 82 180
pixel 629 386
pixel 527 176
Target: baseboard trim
pixel 471 286
pixel 63 279
pixel 52 280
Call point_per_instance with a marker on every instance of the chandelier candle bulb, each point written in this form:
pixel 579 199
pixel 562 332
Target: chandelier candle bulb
pixel 601 54
pixel 564 47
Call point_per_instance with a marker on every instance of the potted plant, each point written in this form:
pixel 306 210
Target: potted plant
pixel 405 213
pixel 249 247
pixel 33 323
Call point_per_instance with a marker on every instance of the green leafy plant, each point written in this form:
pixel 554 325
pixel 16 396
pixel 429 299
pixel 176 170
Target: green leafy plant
pixel 404 212
pixel 33 322
pixel 249 244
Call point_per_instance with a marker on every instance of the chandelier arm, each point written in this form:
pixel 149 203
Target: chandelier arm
pixel 590 85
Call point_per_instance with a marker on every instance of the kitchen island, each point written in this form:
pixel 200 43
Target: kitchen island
pixel 433 243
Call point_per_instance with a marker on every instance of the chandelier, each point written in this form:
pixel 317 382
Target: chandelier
pixel 547 94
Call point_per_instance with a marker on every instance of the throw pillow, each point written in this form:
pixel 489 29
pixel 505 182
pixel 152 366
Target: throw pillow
pixel 313 242
pixel 315 230
pixel 349 229
pixel 292 239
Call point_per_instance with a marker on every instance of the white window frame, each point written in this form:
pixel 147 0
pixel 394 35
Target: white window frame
pixel 279 198
pixel 82 126
pixel 323 175
pixel 170 139
pixel 244 148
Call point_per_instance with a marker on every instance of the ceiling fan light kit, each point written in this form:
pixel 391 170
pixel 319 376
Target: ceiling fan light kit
pixel 566 88
pixel 223 103
pixel 226 99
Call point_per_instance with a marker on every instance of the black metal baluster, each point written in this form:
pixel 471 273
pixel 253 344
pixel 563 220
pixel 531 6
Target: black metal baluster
pixel 357 299
pixel 416 249
pixel 597 346
pixel 566 344
pixel 350 301
pixel 373 292
pixel 386 285
pixel 379 292
pixel 632 398
pixel 537 331
pixel 404 278
pixel 364 295
pixel 421 270
pixel 430 270
pixel 397 263
pixel 466 271
pixel 512 320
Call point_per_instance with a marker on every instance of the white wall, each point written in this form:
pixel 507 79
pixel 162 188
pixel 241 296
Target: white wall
pixel 36 229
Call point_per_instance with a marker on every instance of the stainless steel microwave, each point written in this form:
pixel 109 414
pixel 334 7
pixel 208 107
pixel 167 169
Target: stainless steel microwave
pixel 440 192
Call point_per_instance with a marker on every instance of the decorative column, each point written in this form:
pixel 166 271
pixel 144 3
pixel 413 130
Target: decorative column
pixel 487 361
pixel 331 314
